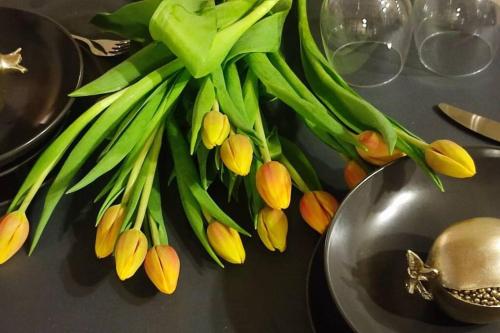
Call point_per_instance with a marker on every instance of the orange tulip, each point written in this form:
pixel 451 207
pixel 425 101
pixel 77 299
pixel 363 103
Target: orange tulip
pixel 237 154
pixel 450 159
pixel 375 150
pixel 130 252
pixel 274 184
pixel 272 227
pixel 14 229
pixel 317 209
pixel 108 230
pixel 162 266
pixel 226 242
pixel 353 174
pixel 215 129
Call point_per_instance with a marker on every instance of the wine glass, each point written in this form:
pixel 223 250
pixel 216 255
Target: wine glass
pixel 457 37
pixel 366 41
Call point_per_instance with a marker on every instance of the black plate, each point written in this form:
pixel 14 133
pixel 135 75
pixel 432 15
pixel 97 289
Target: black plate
pixel 33 104
pixel 396 209
pixel 323 313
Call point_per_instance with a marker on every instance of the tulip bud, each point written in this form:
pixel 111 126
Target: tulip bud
pixel 237 153
pixel 108 230
pixel 450 159
pixel 375 150
pixel 274 184
pixel 130 252
pixel 353 174
pixel 162 266
pixel 215 129
pixel 317 209
pixel 14 228
pixel 272 227
pixel 226 242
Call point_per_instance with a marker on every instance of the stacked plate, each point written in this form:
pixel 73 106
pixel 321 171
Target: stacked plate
pixel 359 269
pixel 33 103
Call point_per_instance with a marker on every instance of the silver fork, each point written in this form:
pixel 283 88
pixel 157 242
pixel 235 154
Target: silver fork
pixel 105 47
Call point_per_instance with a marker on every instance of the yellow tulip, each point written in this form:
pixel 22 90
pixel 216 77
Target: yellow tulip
pixel 215 129
pixel 317 209
pixel 130 252
pixel 274 184
pixel 450 159
pixel 237 153
pixel 14 229
pixel 272 227
pixel 353 174
pixel 108 230
pixel 162 266
pixel 226 242
pixel 375 150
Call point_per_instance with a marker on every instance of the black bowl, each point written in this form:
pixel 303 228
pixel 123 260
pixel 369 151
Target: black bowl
pixel 396 209
pixel 33 104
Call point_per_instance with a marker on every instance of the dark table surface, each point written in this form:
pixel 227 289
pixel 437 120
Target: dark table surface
pixel 64 288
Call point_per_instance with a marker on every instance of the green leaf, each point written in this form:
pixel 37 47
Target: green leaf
pixel 251 96
pixel 187 175
pixel 203 104
pixel 300 163
pixel 202 157
pixel 125 143
pixel 236 116
pixel 229 12
pixel 274 144
pixel 130 21
pixel 155 210
pixel 93 138
pixel 51 156
pixel 255 203
pixel 195 218
pixel 327 84
pixel 233 84
pixel 276 84
pixel 193 36
pixel 136 66
pixel 263 36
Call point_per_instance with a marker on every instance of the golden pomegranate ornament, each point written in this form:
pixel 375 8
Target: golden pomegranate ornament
pixel 462 271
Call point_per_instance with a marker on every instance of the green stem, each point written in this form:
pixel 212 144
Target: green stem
pixel 297 179
pixel 155 236
pixel 412 140
pixel 259 128
pixel 150 175
pixel 136 169
pixel 57 149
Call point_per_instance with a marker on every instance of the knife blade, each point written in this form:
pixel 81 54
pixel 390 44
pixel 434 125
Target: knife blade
pixel 476 123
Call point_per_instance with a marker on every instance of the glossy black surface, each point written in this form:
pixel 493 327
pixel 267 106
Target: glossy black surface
pixel 397 209
pixel 32 104
pixel 63 288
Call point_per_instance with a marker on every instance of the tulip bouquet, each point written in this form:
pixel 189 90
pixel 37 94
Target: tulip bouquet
pixel 194 93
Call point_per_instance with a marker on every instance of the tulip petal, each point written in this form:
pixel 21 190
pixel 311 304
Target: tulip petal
pixel 162 266
pixel 226 242
pixel 130 252
pixel 14 229
pixel 274 184
pixel 450 159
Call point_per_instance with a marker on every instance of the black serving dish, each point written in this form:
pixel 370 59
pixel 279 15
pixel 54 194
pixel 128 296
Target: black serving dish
pixel 33 104
pixel 396 209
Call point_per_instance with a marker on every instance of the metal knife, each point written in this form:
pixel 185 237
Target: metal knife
pixel 476 123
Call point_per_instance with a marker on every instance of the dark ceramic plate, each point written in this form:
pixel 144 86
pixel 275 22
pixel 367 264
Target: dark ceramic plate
pixel 34 103
pixel 323 313
pixel 396 209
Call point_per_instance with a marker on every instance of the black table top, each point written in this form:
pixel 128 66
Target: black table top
pixel 64 288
